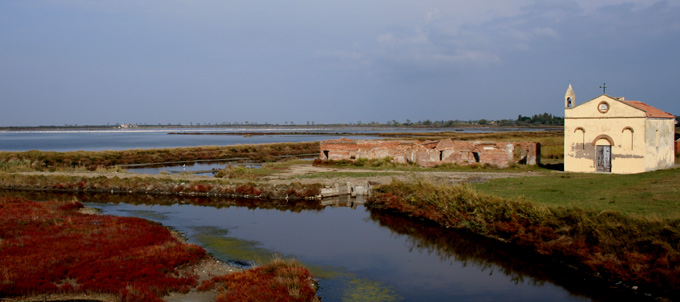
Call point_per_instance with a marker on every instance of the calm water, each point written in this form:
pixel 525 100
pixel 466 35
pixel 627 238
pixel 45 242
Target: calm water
pixel 204 169
pixel 130 139
pixel 357 256
pixel 159 138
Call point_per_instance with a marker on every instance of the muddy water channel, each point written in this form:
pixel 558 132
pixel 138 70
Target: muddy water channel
pixel 357 255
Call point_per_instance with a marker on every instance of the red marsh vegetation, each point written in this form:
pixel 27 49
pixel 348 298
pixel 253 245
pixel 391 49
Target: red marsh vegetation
pixel 48 247
pixel 51 248
pixel 278 281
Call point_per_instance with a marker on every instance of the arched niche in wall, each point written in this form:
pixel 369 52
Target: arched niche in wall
pixel 628 133
pixel 581 134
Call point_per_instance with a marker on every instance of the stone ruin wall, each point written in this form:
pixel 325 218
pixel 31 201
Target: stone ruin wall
pixel 433 153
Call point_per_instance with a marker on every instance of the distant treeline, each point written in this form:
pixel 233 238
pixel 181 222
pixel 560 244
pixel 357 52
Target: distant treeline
pixel 545 119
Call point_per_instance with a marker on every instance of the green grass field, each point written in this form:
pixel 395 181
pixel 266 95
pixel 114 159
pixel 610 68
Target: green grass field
pixel 652 194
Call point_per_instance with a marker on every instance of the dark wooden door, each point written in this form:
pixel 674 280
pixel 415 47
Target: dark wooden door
pixel 604 158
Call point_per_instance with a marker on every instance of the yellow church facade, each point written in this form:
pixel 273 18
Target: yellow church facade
pixel 612 135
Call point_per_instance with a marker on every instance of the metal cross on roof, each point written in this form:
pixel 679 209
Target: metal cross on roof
pixel 604 88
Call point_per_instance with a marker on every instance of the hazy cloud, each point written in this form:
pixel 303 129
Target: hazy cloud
pixel 469 59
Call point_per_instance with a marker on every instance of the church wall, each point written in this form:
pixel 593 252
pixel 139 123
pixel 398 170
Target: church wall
pixel 582 135
pixel 638 143
pixel 617 109
pixel 660 146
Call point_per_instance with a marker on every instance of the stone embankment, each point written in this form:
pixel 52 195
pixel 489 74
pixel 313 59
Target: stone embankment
pixel 346 189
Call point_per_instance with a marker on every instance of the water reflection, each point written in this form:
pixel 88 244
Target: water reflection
pixel 493 257
pixel 356 254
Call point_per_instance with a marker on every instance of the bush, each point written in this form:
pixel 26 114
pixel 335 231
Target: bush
pixel 279 280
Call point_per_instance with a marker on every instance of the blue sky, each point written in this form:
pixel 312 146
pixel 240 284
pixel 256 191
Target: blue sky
pixel 90 62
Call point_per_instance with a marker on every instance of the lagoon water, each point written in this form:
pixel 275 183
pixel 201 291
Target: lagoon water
pixel 358 256
pixel 123 139
pixel 133 139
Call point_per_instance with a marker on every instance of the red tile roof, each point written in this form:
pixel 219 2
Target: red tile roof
pixel 651 111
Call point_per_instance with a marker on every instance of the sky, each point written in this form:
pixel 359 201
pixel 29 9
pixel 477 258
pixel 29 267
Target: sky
pixel 98 62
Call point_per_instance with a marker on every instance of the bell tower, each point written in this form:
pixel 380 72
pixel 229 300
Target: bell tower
pixel 569 98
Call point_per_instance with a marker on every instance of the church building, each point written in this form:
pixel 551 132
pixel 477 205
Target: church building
pixel 613 135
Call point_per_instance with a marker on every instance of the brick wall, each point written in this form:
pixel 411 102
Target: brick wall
pixel 432 153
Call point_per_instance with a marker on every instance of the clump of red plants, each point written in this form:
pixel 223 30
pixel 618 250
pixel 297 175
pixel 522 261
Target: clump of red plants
pixel 53 248
pixel 641 253
pixel 49 247
pixel 279 280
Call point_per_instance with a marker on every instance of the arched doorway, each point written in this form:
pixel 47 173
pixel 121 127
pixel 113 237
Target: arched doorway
pixel 603 156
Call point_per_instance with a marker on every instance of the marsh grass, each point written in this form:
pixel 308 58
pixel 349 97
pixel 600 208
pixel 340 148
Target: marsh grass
pixel 633 249
pixel 267 169
pixel 91 160
pixel 651 194
pixel 160 186
pixel 386 164
pixel 237 172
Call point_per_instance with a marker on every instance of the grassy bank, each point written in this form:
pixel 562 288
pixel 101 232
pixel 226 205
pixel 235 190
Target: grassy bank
pixel 158 186
pixel 652 194
pixel 51 248
pixel 637 251
pixel 386 164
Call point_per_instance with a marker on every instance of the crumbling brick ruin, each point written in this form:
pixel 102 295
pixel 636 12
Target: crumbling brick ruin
pixel 433 153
